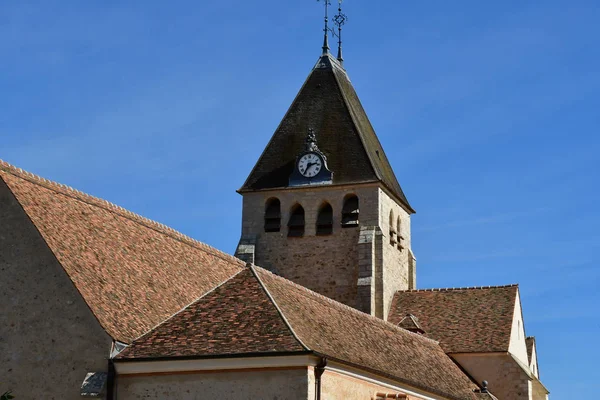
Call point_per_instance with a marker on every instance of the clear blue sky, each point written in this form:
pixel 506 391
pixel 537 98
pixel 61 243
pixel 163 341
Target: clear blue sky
pixel 488 113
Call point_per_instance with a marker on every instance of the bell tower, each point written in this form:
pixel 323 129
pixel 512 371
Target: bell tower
pixel 322 206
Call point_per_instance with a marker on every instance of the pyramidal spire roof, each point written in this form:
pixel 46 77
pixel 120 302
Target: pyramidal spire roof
pixel 328 104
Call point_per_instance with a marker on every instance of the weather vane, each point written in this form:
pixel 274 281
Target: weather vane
pixel 340 20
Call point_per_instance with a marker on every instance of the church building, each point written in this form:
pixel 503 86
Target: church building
pixel 320 300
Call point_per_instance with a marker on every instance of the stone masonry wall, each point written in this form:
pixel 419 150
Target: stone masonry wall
pixel 539 392
pixel 326 264
pixel 370 270
pixel 356 266
pixel 337 386
pixel 241 385
pixel 396 275
pixel 49 338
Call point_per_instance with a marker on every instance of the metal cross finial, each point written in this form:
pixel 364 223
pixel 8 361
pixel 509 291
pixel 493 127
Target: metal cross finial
pixel 326 29
pixel 340 20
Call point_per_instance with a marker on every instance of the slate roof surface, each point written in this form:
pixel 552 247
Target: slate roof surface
pixel 462 320
pixel 132 272
pixel 240 317
pixel 328 104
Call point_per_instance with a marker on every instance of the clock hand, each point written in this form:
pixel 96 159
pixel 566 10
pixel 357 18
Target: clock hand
pixel 316 165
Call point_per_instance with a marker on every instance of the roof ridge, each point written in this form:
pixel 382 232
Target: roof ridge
pixel 335 63
pixel 335 303
pixel 271 139
pixel 355 123
pixel 287 323
pixel 361 135
pixel 149 331
pixel 458 288
pixel 105 204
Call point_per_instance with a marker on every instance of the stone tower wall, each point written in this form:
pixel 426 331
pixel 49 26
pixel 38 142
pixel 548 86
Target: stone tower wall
pixel 356 266
pixel 325 264
pixel 395 260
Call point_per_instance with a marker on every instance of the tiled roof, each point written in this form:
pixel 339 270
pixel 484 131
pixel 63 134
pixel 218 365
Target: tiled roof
pixel 258 312
pixel 327 103
pixel 132 272
pixel 343 333
pixel 463 320
pixel 237 317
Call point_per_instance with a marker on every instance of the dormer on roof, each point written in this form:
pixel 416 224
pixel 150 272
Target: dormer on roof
pixel 411 323
pixel 482 329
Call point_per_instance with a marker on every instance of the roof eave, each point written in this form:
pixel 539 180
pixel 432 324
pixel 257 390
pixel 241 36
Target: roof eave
pixel 212 356
pixel 243 190
pixel 377 173
pixel 389 376
pixel 285 354
pixel 247 181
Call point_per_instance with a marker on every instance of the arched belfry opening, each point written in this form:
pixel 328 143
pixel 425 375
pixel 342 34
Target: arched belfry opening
pixel 325 220
pixel 296 221
pixel 350 211
pixel 399 235
pixel 273 215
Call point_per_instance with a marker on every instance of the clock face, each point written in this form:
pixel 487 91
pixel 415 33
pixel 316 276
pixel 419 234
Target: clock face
pixel 310 165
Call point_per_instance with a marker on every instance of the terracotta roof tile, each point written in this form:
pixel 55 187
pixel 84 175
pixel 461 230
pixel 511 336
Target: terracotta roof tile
pixel 464 320
pixel 132 272
pixel 348 335
pixel 236 318
pixel 258 312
